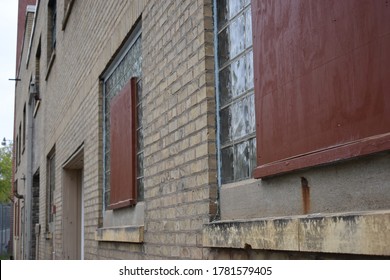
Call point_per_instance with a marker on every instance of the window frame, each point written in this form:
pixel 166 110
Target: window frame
pixel 50 189
pixel 135 34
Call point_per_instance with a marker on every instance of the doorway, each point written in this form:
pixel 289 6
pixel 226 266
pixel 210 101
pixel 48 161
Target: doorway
pixel 73 203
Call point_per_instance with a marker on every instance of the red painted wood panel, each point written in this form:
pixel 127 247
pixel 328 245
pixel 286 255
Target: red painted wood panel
pixel 123 191
pixel 322 81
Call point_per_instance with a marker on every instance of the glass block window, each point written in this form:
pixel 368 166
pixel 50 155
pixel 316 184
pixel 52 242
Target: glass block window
pixel 140 144
pixel 235 90
pixel 52 24
pixel 127 64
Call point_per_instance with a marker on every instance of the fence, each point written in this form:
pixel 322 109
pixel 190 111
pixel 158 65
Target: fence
pixel 5 226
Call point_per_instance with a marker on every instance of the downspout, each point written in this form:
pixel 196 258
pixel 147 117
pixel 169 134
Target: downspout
pixel 29 179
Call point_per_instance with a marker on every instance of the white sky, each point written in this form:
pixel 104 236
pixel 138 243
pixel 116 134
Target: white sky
pixel 8 27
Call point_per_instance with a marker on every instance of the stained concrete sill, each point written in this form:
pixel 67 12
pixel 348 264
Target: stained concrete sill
pixel 348 233
pixel 129 234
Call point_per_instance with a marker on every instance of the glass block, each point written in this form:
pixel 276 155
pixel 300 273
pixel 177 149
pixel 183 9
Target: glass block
pixel 237 36
pixel 241 161
pixel 222 13
pixel 249 77
pixel 223 47
pixel 252 155
pixel 107 162
pixel 227 165
pixel 225 86
pixel 140 164
pixel 238 77
pixel 248 28
pixel 238 120
pixel 139 116
pixel 235 6
pixel 249 112
pixel 226 123
pixel 140 189
pixel 107 198
pixel 140 140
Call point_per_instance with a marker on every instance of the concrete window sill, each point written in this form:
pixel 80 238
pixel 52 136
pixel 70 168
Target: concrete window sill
pixel 349 233
pixel 129 234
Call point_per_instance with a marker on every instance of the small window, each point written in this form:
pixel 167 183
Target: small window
pixel 51 34
pixel 20 144
pixel 24 127
pixel 52 24
pixel 17 151
pixel 50 188
pixel 37 81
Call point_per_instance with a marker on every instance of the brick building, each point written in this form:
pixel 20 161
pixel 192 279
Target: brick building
pixel 202 129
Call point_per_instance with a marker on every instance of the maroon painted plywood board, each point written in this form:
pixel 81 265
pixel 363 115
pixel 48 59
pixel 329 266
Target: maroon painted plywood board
pixel 322 81
pixel 123 147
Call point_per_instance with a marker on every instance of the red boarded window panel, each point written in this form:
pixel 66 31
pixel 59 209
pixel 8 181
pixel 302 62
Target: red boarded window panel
pixel 322 81
pixel 123 147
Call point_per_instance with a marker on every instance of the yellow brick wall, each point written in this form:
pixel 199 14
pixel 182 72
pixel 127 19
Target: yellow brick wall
pixel 179 107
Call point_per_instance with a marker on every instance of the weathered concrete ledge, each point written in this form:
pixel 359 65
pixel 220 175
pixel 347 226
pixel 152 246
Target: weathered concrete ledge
pixel 131 234
pixel 348 233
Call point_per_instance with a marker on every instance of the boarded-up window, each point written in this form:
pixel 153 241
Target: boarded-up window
pixel 322 81
pixel 117 111
pixel 123 147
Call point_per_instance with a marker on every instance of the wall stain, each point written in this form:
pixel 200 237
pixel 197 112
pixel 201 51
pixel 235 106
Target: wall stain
pixel 305 195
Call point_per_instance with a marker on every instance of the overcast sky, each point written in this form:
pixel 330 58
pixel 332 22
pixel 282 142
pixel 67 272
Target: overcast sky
pixel 8 23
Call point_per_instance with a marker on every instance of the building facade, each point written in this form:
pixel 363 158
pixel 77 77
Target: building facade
pixel 202 130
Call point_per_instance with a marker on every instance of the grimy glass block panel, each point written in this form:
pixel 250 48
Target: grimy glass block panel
pixel 225 86
pixel 235 90
pixel 249 71
pixel 227 174
pixel 238 77
pixel 238 119
pixel 248 28
pixel 236 36
pixel 226 124
pixel 241 161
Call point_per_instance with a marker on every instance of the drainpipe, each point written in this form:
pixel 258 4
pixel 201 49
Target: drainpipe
pixel 29 178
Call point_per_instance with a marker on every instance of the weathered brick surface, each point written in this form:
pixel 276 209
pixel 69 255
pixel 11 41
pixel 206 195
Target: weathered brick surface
pixel 179 107
pixel 179 142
